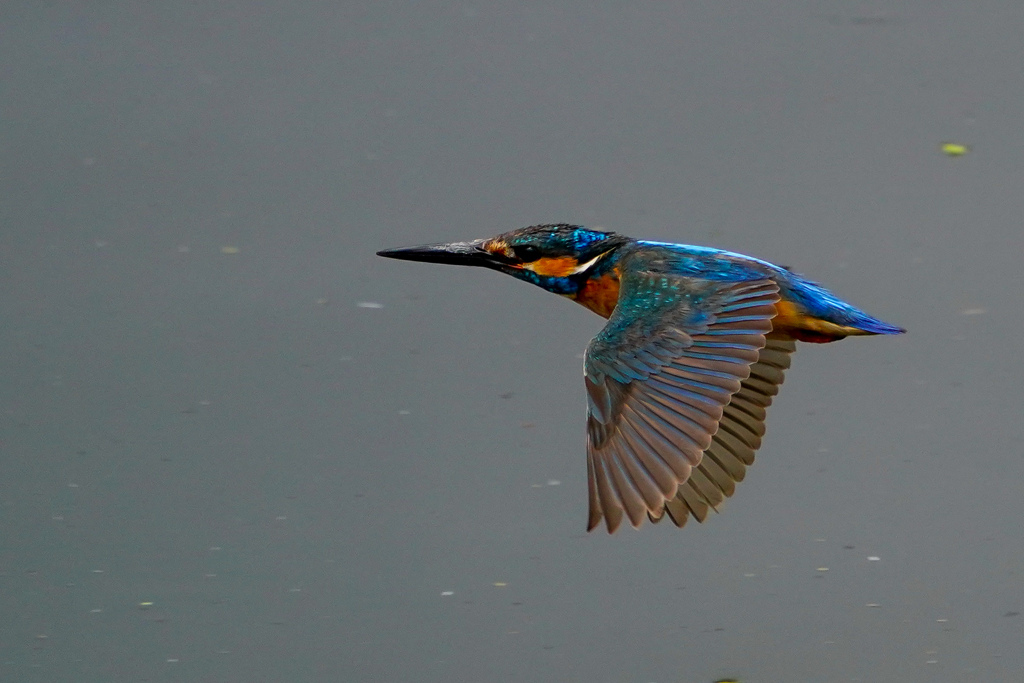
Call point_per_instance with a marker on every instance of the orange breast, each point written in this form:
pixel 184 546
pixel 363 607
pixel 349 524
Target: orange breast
pixel 600 294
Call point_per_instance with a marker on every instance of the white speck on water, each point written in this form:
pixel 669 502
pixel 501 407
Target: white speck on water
pixel 750 576
pixel 173 661
pixel 942 621
pixel 874 558
pixel 95 611
pixel 821 569
pixel 404 412
pixel 554 482
pixel 215 547
pixel 932 661
pixel 97 571
pixel 294 590
pixel 281 518
pixel 369 304
pixel 447 593
pixel 72 486
pixel 872 604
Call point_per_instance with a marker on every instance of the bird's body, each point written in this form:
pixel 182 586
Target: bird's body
pixel 679 378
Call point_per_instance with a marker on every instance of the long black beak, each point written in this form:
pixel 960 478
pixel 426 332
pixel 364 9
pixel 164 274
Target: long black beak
pixel 456 253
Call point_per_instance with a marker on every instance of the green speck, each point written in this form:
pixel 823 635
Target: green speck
pixel 954 149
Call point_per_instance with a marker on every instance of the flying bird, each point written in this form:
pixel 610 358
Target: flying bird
pixel 679 380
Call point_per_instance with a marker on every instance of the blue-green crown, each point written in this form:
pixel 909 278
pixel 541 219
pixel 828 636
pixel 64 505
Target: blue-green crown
pixel 561 239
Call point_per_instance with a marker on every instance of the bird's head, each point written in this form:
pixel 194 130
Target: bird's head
pixel 558 258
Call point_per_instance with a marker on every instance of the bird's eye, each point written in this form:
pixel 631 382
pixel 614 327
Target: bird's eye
pixel 526 252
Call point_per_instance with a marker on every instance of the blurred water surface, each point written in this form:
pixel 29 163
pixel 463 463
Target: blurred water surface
pixel 237 446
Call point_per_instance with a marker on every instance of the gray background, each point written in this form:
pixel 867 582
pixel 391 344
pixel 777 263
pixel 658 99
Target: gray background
pixel 294 480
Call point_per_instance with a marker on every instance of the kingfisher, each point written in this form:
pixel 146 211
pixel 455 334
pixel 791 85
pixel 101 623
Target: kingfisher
pixel 679 379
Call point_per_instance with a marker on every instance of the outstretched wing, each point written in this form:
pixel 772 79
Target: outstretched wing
pixel 739 435
pixel 659 377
